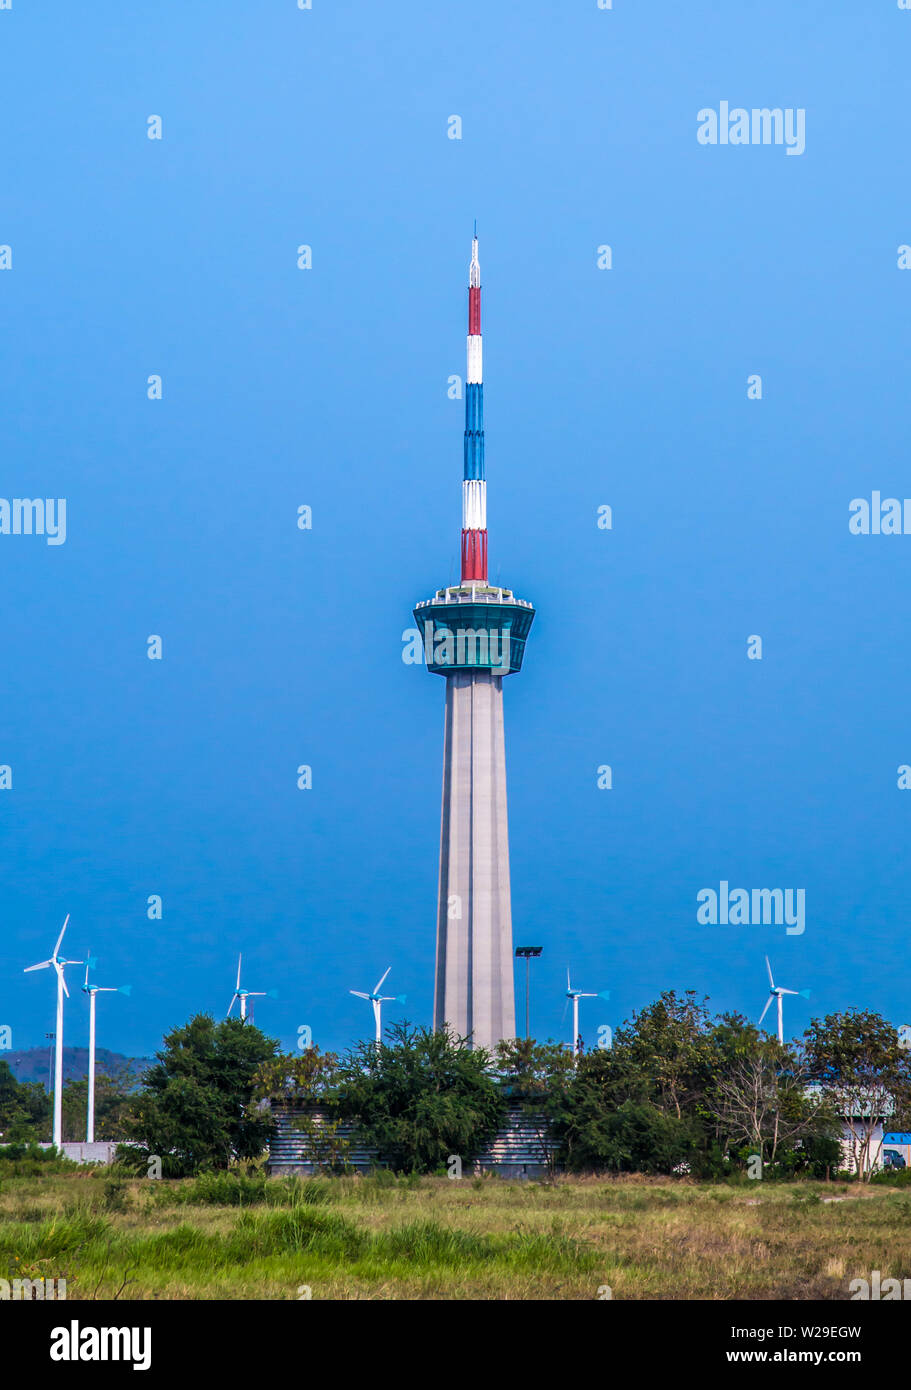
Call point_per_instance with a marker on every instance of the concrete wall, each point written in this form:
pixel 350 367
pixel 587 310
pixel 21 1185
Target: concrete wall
pixel 83 1153
pixel 90 1153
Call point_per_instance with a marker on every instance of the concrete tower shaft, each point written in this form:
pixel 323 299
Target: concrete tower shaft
pixel 474 967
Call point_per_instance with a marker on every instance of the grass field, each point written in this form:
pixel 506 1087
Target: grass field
pixel 432 1238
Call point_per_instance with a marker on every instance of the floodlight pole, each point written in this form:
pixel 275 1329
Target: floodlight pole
pixel 526 953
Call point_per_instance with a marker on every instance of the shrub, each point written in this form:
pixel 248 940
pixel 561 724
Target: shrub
pixel 421 1097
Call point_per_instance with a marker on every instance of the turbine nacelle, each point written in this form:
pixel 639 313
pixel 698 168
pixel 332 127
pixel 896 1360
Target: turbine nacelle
pixel 583 994
pixel 90 964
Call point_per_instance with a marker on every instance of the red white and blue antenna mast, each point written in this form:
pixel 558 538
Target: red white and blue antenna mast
pixel 474 487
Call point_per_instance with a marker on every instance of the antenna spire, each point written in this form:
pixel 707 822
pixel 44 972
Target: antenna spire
pixel 474 486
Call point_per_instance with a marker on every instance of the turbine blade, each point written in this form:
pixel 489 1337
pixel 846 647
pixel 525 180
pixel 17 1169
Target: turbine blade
pixel 765 1011
pixel 60 937
pixel 804 992
pixel 231 1005
pixel 125 989
pixel 769 968
pixel 359 994
pixel 401 998
pixel 379 983
pixel 272 993
pixel 237 986
pixel 605 994
pixel 60 977
pixel 43 965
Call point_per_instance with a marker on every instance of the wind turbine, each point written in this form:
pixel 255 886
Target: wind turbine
pixel 244 994
pixel 91 991
pixel 378 1000
pixel 575 995
pixel 58 962
pixel 776 992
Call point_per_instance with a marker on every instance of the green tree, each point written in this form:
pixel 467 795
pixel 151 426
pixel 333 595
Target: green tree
pixel 653 1101
pixel 640 1104
pixel 25 1113
pixel 421 1097
pixel 306 1075
pixel 611 1117
pixel 666 1054
pixel 197 1108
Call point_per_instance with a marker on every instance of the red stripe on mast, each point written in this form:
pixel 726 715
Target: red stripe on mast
pixel 474 556
pixel 474 310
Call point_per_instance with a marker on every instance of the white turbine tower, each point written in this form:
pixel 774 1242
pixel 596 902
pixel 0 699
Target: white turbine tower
pixel 777 992
pixel 378 1000
pixel 91 991
pixel 575 995
pixel 58 962
pixel 244 994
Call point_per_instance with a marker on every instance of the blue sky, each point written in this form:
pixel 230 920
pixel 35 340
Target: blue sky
pixel 328 388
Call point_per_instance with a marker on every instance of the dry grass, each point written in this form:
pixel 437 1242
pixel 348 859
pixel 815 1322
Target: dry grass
pixel 438 1239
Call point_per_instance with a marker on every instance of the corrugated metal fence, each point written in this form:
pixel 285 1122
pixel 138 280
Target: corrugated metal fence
pixel 522 1148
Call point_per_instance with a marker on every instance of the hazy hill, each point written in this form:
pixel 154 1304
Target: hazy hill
pixel 31 1063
